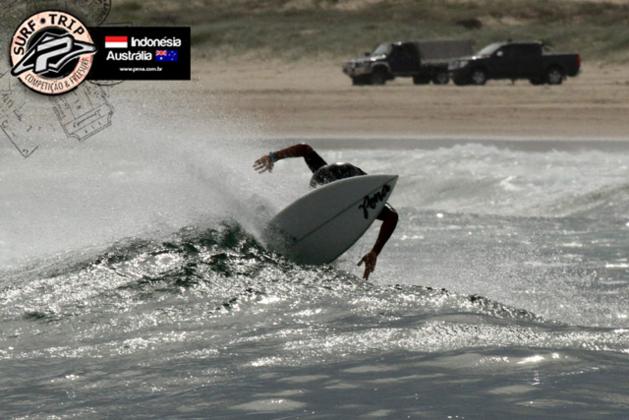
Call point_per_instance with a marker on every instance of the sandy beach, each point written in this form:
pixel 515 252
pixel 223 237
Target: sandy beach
pixel 317 99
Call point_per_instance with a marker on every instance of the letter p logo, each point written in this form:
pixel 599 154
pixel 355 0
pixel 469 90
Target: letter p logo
pixel 50 53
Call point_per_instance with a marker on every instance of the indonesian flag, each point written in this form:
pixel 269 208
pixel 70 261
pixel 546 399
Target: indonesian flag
pixel 116 42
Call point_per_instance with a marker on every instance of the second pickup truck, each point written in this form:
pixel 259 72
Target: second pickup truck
pixel 514 60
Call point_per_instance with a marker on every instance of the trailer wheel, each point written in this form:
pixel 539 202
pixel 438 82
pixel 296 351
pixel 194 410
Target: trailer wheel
pixel 421 80
pixel 554 76
pixel 441 78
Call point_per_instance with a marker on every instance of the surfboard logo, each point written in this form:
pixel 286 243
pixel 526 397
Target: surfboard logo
pixel 370 202
pixel 52 52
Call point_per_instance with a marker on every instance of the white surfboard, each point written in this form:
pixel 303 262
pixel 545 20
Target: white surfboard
pixel 323 224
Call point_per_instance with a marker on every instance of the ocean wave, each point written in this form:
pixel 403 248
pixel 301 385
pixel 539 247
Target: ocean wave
pixel 225 265
pixel 609 201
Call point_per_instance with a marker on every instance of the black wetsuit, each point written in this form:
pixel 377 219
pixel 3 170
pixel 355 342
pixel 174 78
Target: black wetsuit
pixel 324 173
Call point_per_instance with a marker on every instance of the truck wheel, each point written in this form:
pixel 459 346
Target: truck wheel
pixel 361 81
pixel 441 78
pixel 421 80
pixel 378 77
pixel 478 77
pixel 554 76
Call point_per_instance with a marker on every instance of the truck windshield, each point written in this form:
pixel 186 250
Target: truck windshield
pixel 490 49
pixel 382 49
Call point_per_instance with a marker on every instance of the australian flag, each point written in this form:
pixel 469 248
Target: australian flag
pixel 166 56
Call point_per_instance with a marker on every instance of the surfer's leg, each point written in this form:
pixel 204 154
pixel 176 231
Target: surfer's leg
pixel 386 211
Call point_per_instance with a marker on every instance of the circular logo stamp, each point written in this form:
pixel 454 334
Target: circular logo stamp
pixel 51 52
pixel 101 10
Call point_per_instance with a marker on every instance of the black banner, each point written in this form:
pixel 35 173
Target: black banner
pixel 141 53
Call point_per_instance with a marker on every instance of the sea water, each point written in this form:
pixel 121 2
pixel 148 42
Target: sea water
pixel 134 284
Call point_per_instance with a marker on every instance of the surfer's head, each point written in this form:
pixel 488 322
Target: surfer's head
pixel 334 172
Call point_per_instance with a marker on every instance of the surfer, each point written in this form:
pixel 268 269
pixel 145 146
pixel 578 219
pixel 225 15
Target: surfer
pixel 323 173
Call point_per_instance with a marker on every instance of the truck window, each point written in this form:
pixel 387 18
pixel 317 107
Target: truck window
pixel 529 50
pixel 403 52
pixel 508 51
pixel 489 50
pixel 382 49
pixel 408 50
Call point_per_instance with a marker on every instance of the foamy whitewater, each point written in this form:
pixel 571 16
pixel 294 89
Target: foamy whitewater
pixel 133 283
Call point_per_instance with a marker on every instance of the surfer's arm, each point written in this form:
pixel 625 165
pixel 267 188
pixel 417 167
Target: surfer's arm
pixel 389 218
pixel 312 158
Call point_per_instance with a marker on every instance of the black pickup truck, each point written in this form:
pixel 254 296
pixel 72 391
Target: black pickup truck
pixel 514 60
pixel 424 61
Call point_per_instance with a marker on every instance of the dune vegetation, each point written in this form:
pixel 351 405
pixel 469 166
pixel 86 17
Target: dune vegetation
pixel 294 29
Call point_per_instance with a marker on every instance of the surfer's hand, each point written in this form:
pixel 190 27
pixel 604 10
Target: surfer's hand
pixel 370 260
pixel 263 164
